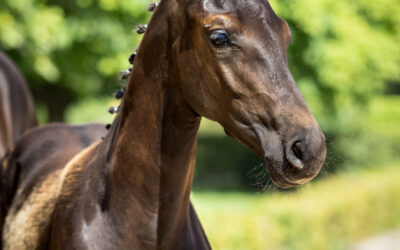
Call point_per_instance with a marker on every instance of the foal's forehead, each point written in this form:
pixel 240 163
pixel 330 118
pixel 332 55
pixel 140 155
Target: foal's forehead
pixel 246 11
pixel 256 15
pixel 238 7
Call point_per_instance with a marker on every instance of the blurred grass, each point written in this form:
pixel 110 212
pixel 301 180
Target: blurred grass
pixel 323 215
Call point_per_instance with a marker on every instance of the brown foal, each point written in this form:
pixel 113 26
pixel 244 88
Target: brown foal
pixel 17 112
pixel 221 59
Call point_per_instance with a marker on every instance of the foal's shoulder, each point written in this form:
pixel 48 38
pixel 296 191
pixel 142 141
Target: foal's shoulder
pixel 41 152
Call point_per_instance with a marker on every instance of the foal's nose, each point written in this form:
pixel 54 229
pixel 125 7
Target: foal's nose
pixel 307 151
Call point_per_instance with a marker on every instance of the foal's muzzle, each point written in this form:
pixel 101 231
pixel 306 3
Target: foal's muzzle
pixel 303 156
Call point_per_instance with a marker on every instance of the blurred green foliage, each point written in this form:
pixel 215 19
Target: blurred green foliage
pixel 70 50
pixel 345 56
pixel 91 110
pixel 331 214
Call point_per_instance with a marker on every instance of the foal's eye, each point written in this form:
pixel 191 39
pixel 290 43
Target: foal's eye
pixel 219 37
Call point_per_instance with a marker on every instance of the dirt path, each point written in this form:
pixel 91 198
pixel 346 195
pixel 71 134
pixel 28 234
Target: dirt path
pixel 387 241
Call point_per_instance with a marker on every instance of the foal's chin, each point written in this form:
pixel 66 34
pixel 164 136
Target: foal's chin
pixel 278 178
pixel 284 175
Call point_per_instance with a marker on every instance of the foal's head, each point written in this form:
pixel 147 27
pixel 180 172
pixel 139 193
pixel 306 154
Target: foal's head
pixel 229 63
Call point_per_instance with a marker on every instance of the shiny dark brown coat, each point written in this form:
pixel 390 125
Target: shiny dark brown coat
pixel 132 190
pixel 41 151
pixel 17 112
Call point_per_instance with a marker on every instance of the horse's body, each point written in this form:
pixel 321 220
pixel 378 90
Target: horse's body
pixel 27 178
pixel 17 112
pixel 225 60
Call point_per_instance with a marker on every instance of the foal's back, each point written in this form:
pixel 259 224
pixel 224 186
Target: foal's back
pixel 30 180
pixel 17 112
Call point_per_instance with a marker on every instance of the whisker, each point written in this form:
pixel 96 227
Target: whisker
pixel 259 177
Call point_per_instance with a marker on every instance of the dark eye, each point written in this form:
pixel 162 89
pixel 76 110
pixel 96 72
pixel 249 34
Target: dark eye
pixel 219 38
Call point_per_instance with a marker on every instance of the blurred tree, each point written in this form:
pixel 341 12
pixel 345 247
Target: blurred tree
pixel 70 49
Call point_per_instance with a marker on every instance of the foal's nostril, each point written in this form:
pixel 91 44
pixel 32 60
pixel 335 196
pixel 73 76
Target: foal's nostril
pixel 296 148
pixel 295 154
pixel 305 153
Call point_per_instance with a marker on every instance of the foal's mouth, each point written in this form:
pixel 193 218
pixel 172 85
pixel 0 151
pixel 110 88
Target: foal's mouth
pixel 277 177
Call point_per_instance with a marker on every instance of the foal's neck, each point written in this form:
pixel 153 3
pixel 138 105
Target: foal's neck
pixel 152 153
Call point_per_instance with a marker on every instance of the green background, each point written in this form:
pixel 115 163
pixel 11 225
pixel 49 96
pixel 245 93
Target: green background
pixel 345 57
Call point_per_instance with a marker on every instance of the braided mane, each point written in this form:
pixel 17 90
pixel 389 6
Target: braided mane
pixel 125 74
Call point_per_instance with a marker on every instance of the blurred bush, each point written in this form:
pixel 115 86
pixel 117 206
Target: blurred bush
pixel 324 215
